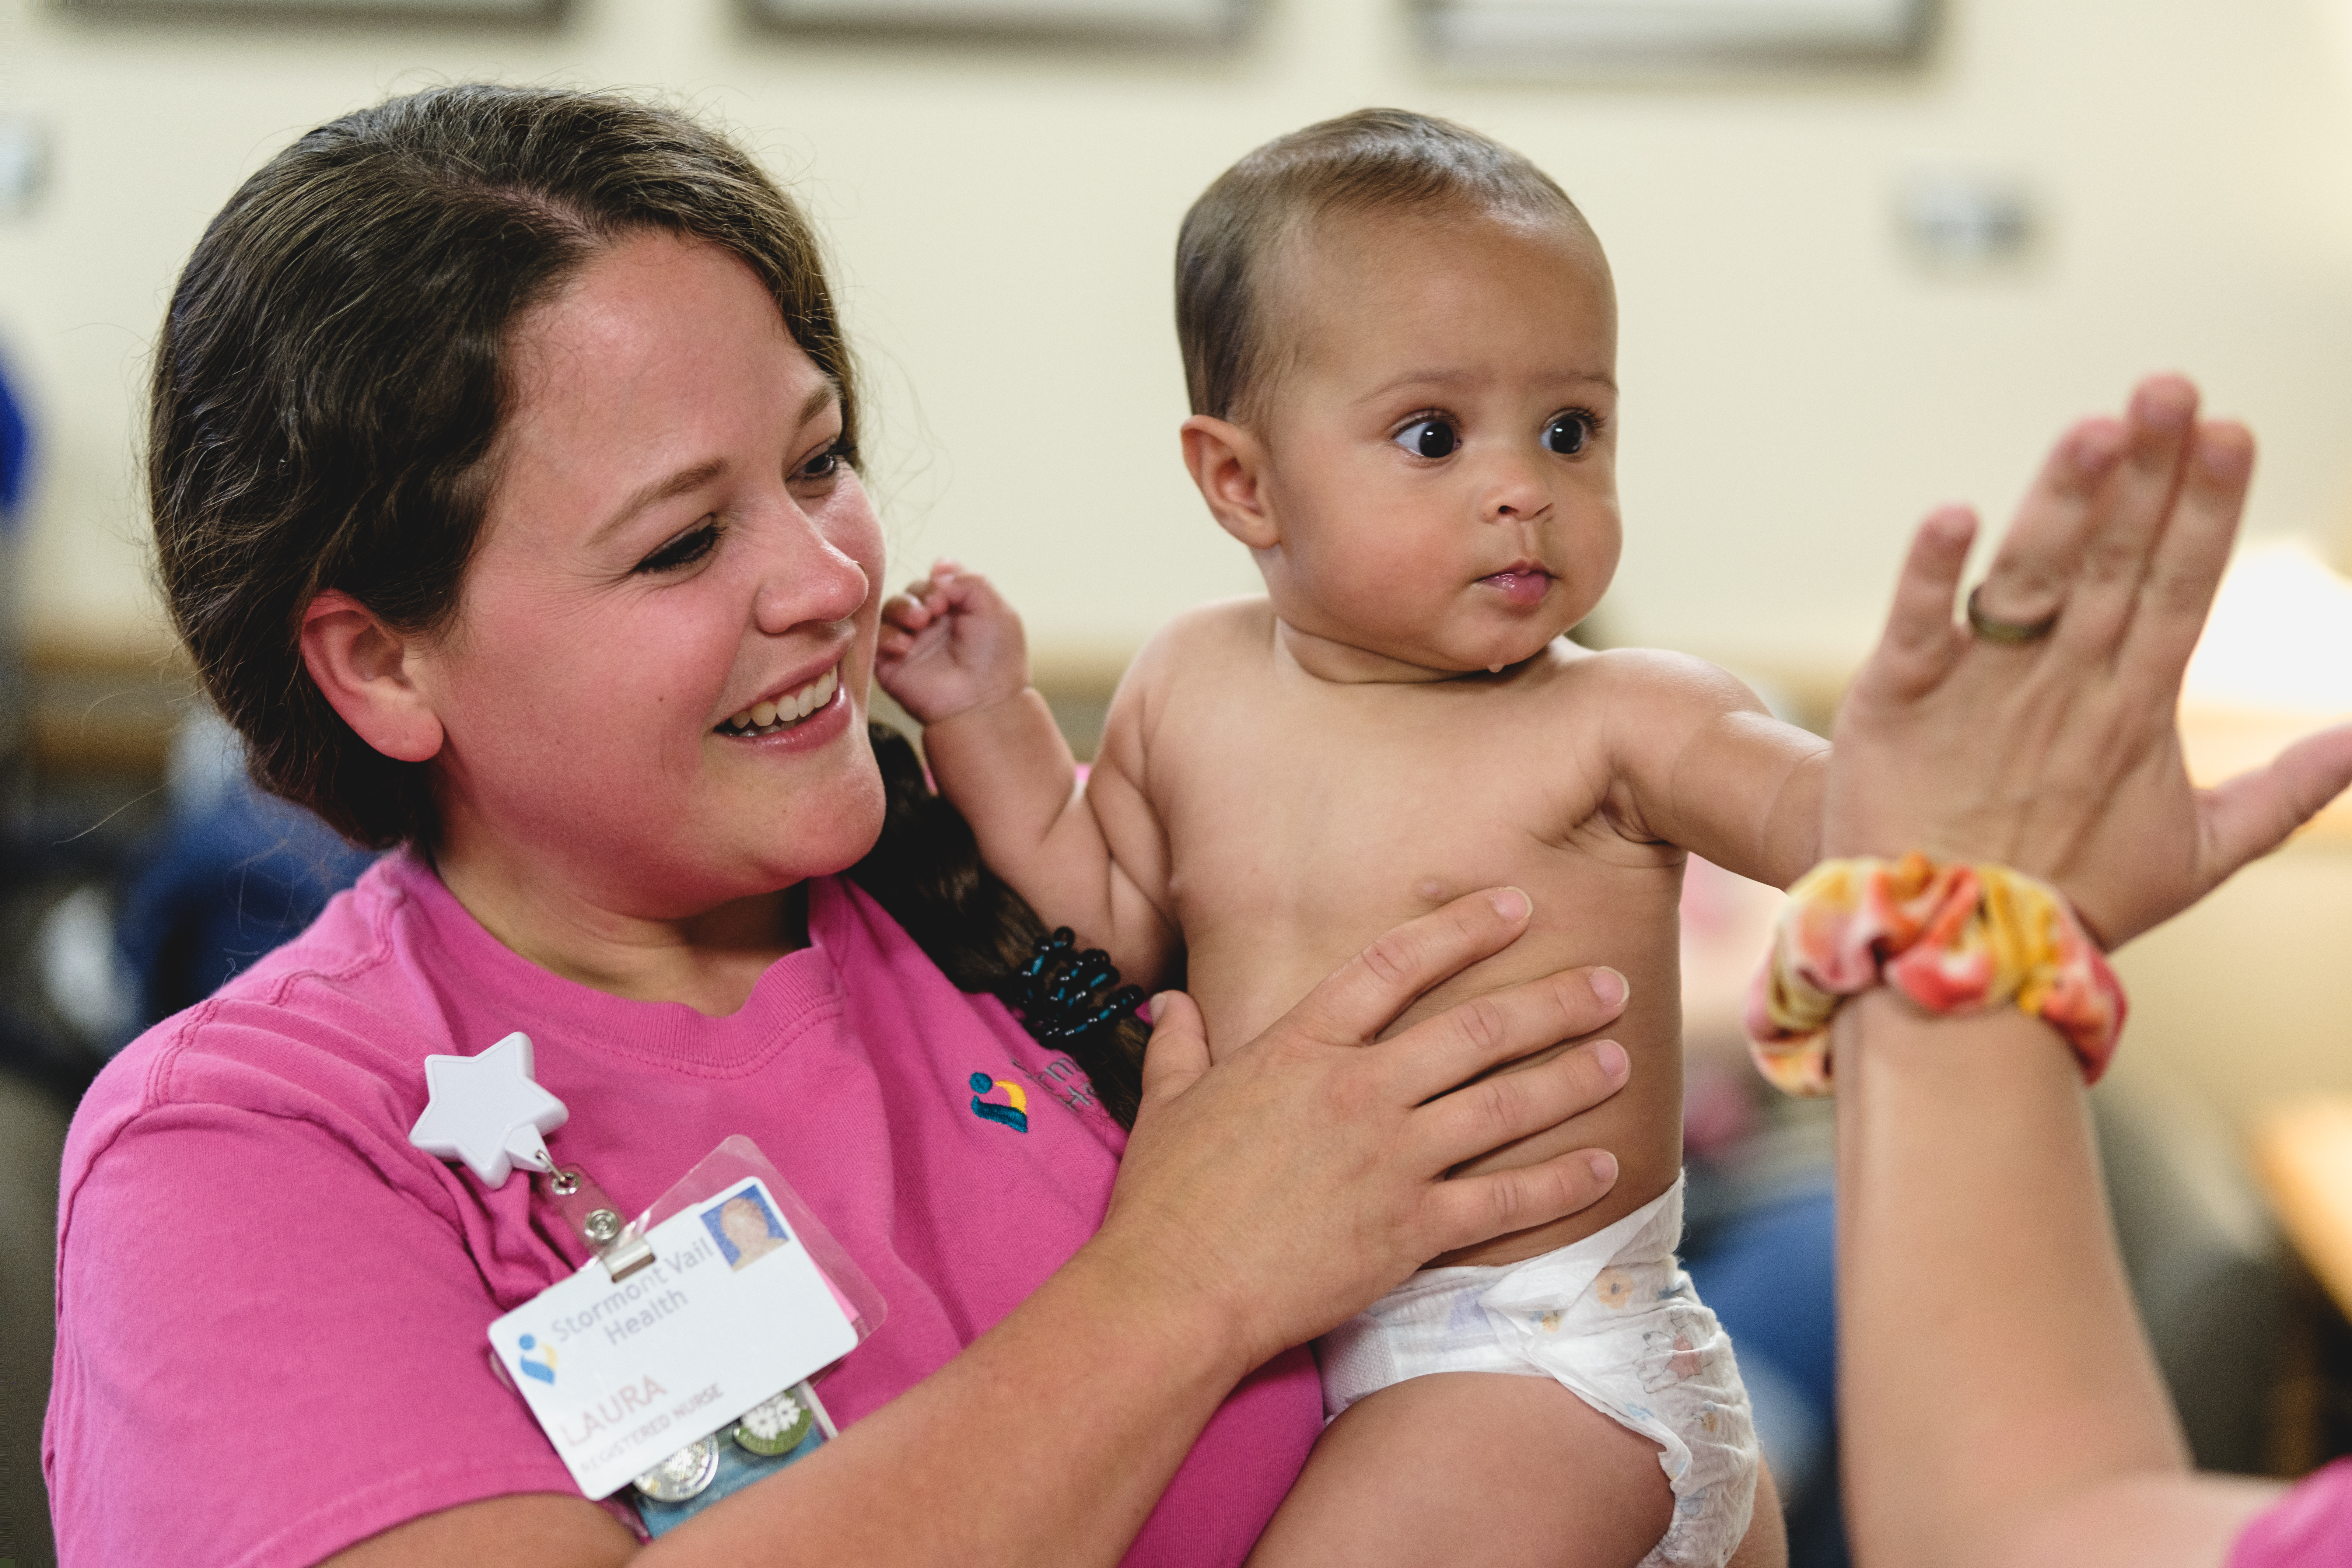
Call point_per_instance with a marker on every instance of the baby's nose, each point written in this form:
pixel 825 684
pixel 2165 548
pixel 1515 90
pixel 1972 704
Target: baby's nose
pixel 1514 489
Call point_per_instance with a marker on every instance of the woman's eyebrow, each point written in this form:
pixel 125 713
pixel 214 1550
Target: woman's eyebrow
pixel 826 394
pixel 659 491
pixel 822 397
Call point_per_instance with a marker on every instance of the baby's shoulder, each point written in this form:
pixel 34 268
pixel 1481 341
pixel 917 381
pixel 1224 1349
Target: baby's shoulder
pixel 1219 635
pixel 1246 621
pixel 1676 683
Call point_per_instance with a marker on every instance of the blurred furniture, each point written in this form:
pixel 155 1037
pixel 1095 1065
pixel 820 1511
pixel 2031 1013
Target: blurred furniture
pixel 2303 1150
pixel 32 1142
pixel 2203 1258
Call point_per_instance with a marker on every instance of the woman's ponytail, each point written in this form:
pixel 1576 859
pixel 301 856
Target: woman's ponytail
pixel 926 871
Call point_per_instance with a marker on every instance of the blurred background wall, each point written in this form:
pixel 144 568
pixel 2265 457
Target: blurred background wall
pixel 1798 388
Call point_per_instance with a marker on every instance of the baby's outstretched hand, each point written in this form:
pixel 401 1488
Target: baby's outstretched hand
pixel 948 644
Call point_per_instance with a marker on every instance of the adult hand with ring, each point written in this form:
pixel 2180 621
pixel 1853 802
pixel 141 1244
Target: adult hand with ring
pixel 2042 734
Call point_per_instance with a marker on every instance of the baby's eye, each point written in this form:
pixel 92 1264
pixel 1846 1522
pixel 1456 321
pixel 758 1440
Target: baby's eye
pixel 1568 434
pixel 683 550
pixel 1428 438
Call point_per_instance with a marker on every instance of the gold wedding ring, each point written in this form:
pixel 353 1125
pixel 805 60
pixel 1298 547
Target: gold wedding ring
pixel 2010 633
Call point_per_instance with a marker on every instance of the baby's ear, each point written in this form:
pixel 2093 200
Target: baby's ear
pixel 1229 464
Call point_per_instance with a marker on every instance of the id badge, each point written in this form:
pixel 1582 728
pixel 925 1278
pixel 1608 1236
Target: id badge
pixel 688 1375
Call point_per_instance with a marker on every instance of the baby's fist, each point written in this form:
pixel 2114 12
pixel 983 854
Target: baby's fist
pixel 949 643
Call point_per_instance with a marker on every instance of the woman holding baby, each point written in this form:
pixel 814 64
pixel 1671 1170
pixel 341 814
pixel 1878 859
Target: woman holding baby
pixel 503 467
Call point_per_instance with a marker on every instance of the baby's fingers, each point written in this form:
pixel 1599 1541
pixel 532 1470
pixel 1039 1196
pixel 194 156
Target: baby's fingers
pixel 1475 1208
pixel 907 611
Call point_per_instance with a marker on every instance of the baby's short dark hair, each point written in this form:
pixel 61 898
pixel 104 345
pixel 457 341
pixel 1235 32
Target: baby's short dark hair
pixel 1375 160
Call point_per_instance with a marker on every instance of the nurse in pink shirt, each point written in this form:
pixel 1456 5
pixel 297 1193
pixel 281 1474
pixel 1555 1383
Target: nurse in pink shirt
pixel 503 470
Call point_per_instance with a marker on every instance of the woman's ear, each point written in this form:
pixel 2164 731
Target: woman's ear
pixel 364 666
pixel 1229 465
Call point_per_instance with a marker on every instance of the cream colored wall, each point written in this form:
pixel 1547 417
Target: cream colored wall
pixel 1796 391
pixel 2248 996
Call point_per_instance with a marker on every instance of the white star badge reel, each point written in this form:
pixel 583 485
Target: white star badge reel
pixel 677 1358
pixel 488 1112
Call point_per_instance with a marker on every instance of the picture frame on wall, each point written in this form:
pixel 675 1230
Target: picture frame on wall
pixel 1206 23
pixel 515 11
pixel 1649 36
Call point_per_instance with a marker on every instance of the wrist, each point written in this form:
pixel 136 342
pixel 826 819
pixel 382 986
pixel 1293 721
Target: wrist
pixel 1952 937
pixel 980 706
pixel 1168 1313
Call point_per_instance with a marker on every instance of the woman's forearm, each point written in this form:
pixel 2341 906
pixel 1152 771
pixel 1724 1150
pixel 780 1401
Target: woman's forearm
pixel 1993 1368
pixel 1048 1441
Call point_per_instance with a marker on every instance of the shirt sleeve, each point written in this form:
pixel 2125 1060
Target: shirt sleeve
pixel 2311 1527
pixel 268 1348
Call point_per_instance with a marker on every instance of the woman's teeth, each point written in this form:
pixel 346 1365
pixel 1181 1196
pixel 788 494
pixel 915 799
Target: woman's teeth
pixel 765 718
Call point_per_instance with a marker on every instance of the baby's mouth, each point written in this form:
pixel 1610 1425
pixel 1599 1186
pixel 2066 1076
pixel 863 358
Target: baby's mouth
pixel 1520 585
pixel 768 718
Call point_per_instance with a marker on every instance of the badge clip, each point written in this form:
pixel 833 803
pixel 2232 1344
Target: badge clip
pixel 488 1112
pixel 596 1220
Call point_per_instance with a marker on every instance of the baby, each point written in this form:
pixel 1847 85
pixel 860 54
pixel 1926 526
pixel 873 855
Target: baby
pixel 1400 340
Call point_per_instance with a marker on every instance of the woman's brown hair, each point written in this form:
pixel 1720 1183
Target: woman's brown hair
pixel 330 381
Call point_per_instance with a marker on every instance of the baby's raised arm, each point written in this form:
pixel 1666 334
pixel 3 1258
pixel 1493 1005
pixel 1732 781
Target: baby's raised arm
pixel 952 653
pixel 1698 763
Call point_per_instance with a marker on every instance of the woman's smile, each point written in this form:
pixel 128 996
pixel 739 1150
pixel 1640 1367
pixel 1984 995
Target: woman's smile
pixel 796 709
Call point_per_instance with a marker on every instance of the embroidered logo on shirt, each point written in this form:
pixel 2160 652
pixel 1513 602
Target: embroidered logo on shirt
pixel 1063 1080
pixel 1013 1112
pixel 542 1370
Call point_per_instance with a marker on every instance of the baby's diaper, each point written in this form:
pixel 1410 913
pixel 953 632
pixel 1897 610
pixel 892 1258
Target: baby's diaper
pixel 1615 1319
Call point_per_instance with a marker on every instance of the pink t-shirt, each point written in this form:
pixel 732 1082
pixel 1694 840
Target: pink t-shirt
pixel 2310 1528
pixel 272 1310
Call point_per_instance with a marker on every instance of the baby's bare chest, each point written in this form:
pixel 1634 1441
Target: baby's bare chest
pixel 1293 844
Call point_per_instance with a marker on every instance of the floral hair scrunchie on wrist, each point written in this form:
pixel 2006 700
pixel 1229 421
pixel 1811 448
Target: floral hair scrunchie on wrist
pixel 1952 938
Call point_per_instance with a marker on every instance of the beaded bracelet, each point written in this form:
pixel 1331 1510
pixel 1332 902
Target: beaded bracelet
pixel 1952 938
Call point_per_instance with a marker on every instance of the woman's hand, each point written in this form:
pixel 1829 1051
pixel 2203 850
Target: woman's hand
pixel 2060 757
pixel 1304 1174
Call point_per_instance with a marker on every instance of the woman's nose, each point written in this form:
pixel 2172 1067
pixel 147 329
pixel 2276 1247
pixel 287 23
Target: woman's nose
pixel 810 581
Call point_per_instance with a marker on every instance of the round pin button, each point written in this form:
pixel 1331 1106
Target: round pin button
pixel 684 1474
pixel 773 1426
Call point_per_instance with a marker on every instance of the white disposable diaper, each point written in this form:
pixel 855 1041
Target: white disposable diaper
pixel 1615 1319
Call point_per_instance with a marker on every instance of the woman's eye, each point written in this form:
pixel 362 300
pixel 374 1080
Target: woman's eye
pixel 1428 438
pixel 825 465
pixel 683 550
pixel 1567 435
